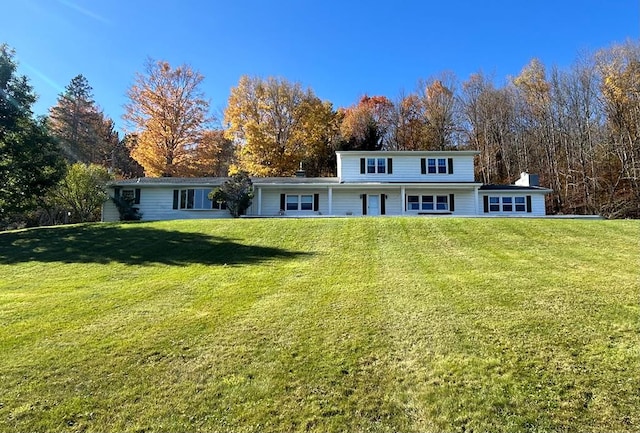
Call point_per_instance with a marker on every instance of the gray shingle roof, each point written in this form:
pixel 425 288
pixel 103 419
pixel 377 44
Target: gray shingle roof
pixel 511 188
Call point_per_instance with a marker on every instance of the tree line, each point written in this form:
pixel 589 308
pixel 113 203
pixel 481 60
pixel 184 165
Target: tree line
pixel 579 129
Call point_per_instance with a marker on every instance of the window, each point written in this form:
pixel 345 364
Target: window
pixel 195 198
pixel 507 204
pixel 306 202
pixel 128 195
pixel 431 165
pixel 437 165
pixel 376 165
pixel 494 204
pixel 442 166
pixel 413 202
pixel 371 165
pixel 442 202
pixel 428 202
pixel 292 202
pixel 299 202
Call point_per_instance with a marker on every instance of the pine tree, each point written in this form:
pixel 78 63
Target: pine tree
pixel 83 131
pixel 30 162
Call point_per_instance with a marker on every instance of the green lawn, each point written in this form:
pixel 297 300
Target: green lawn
pixel 361 324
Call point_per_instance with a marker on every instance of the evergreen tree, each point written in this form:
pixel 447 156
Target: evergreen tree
pixel 83 131
pixel 30 162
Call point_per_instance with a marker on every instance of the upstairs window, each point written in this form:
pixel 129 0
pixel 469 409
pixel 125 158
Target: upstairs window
pixel 371 165
pixel 442 166
pixel 431 166
pixel 375 166
pixel 436 165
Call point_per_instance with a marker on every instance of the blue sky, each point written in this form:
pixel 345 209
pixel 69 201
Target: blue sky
pixel 341 49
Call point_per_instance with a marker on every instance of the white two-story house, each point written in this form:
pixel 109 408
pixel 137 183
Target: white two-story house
pixel 367 183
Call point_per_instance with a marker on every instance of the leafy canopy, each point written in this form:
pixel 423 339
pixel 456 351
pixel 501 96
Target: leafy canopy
pixel 168 112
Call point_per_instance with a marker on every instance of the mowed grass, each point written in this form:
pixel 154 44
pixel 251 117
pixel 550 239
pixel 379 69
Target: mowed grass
pixel 361 324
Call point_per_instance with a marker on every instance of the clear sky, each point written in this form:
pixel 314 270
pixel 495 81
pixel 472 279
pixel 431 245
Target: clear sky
pixel 341 49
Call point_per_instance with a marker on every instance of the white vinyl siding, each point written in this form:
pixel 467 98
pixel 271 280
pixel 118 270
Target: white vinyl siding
pixel 110 211
pixel 406 168
pixel 512 203
pixel 156 203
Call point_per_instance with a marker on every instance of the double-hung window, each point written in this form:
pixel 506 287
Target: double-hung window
pixel 507 204
pixel 428 202
pixel 299 202
pixel 376 165
pixel 494 204
pixel 431 166
pixel 437 165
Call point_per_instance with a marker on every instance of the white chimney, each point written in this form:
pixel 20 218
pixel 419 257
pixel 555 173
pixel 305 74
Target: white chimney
pixel 527 179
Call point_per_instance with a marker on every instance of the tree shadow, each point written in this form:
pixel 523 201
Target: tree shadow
pixel 131 245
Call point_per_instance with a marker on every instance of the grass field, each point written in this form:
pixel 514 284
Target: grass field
pixel 362 324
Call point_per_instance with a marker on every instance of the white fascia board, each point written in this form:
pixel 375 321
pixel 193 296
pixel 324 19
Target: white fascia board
pixel 423 185
pixel 511 191
pixel 407 152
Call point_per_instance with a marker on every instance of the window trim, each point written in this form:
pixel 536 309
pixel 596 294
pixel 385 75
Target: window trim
pixel 429 203
pixel 436 166
pixel 312 200
pixel 376 165
pixel 507 204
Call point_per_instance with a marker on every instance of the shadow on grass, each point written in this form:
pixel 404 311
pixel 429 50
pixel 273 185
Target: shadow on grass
pixel 132 245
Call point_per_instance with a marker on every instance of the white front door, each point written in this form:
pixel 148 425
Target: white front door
pixel 373 204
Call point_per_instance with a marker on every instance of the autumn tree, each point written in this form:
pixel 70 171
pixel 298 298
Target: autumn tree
pixel 488 115
pixel 441 111
pixel 168 112
pixel 409 129
pixel 121 162
pixel 276 125
pixel 539 129
pixel 619 69
pixel 367 124
pixel 213 155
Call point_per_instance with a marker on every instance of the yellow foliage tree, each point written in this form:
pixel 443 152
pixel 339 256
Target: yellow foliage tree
pixel 276 125
pixel 168 112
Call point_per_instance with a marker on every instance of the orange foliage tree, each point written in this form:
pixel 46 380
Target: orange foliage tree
pixel 168 112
